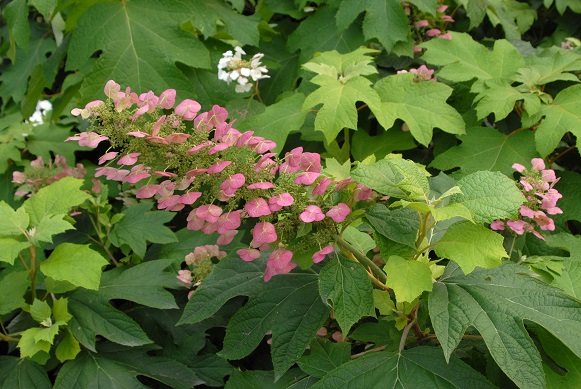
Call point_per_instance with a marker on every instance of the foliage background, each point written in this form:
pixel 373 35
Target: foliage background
pixel 507 92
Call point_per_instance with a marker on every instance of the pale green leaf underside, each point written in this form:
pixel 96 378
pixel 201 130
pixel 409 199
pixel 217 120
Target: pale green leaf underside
pixel 408 278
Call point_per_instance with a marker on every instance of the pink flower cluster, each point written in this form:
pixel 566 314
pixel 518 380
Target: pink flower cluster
pixel 39 175
pixel 429 27
pixel 234 176
pixel 541 200
pixel 421 74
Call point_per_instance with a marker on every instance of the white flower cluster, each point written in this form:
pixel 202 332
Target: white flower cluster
pixel 233 68
pixel 42 107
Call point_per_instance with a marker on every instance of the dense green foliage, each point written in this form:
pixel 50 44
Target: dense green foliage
pixel 437 257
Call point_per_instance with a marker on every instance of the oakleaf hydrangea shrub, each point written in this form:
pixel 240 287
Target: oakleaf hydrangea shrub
pixel 222 177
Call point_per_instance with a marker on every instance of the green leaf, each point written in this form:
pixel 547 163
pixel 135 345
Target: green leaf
pixel 421 105
pixel 489 195
pixel 120 370
pixel 60 310
pixel 9 249
pixel 408 278
pixel 471 245
pixel 484 148
pixel 16 13
pixel 93 315
pixel 143 284
pixel 209 16
pixel 13 285
pixel 48 226
pixel 563 4
pixel 28 344
pixel 569 280
pixel 289 305
pixel 264 379
pixel 359 239
pixel 319 33
pixel 141 44
pixel 363 145
pixel 56 198
pixel 22 374
pixel 496 302
pixel 561 116
pixel 68 348
pixel 569 186
pixel 40 310
pixel 385 21
pixel 499 98
pixel 278 120
pixel 13 222
pixel 420 367
pixel 463 59
pixel 400 225
pixel 139 225
pixel 345 286
pixel 552 64
pixel 338 99
pixel 78 264
pixel 394 177
pixel 324 356
pixel 49 137
pixel 14 79
pixel 564 358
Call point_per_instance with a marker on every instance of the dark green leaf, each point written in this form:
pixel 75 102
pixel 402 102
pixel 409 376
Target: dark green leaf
pixel 142 284
pixel 484 148
pixel 93 315
pixel 418 368
pixel 324 356
pixel 13 285
pixel 263 379
pixel 118 370
pixel 496 302
pixel 345 286
pixel 400 225
pixel 140 225
pixel 16 373
pixel 141 44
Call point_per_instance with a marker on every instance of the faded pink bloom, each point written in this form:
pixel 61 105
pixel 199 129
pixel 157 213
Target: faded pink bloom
pixel 107 157
pixel 195 223
pixel 322 254
pixel 88 110
pixel 209 212
pixel 185 276
pixel 311 214
pixel 112 90
pixel 362 193
pixel 129 159
pixel 171 203
pixel 257 207
pixel 497 225
pixel 167 98
pixel 226 238
pixel 526 211
pixel 421 23
pixel 218 167
pixel 545 222
pixel 517 226
pixel 307 178
pixel 446 35
pixel 282 200
pixel 263 232
pixel 518 167
pixel 339 212
pixel 433 32
pixel 138 173
pixel 138 134
pixel 261 185
pixel 548 175
pixel 190 197
pixel 188 109
pixel 228 221
pixel 18 177
pixel 177 137
pixel 219 147
pixel 232 183
pixel 279 262
pixel 322 186
pixel 147 191
pixel 538 163
pixel 248 255
pixel 88 139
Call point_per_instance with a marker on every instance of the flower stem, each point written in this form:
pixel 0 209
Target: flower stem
pixel 361 258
